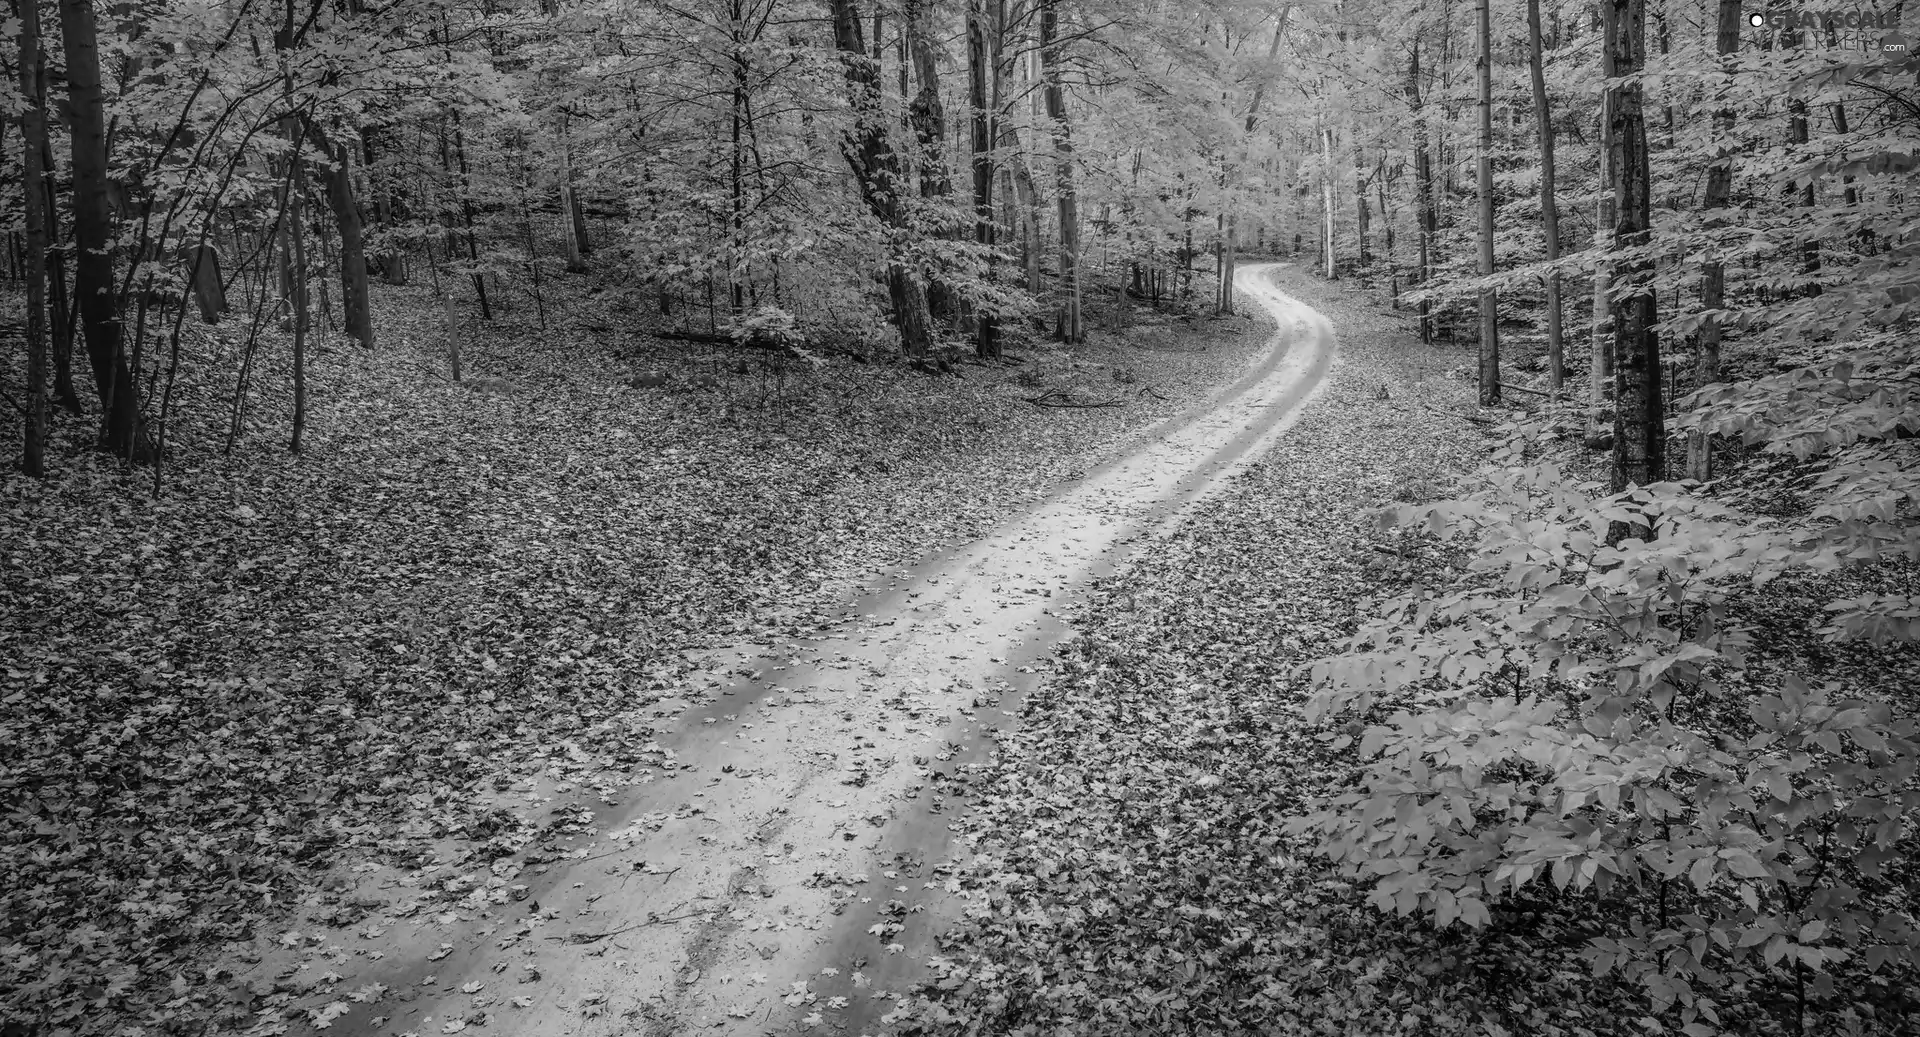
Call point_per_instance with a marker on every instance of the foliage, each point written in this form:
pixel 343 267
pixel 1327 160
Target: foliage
pixel 1607 717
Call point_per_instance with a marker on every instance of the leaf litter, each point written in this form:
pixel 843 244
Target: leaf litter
pixel 336 690
pixel 1130 867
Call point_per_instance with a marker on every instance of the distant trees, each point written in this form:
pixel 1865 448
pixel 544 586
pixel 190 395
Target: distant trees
pixel 264 165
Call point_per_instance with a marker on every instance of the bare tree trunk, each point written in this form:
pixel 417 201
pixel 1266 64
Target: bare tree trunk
pixel 208 290
pixel 575 232
pixel 1229 262
pixel 1068 327
pixel 1382 181
pixel 1489 300
pixel 876 168
pixel 1798 135
pixel 1639 425
pixel 1426 219
pixel 1363 219
pixel 297 260
pixel 1549 205
pixel 355 298
pixel 452 318
pixel 1599 435
pixel 983 19
pixel 1329 255
pixel 1713 273
pixel 33 133
pixel 123 432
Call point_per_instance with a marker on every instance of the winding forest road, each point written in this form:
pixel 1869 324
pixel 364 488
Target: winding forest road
pixel 794 857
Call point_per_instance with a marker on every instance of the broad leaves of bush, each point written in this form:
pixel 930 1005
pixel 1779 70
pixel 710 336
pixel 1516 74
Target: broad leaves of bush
pixel 1592 716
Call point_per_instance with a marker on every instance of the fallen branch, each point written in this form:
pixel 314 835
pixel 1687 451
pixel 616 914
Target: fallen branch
pixel 1560 394
pixel 597 937
pixel 1066 402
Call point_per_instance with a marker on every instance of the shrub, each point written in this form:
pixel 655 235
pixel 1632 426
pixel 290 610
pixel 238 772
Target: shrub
pixel 1607 718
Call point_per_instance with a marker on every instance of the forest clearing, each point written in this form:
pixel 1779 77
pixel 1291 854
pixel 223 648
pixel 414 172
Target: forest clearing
pixel 1351 517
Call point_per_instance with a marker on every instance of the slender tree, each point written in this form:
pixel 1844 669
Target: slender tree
pixel 1489 300
pixel 33 132
pixel 1549 206
pixel 1067 326
pixel 1713 272
pixel 1426 216
pixel 981 25
pixel 1329 252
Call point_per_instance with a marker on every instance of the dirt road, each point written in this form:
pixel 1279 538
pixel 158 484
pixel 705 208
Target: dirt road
pixel 787 874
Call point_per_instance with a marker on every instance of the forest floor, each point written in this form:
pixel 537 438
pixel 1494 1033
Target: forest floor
pixel 422 654
pixel 784 861
pixel 1127 863
pixel 841 701
pixel 1128 867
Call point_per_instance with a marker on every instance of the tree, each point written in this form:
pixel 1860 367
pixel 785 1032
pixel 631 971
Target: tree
pixel 1639 425
pixel 1426 216
pixel 1489 298
pixel 1067 323
pixel 354 288
pixel 982 21
pixel 876 169
pixel 33 135
pixel 1713 273
pixel 1549 206
pixel 123 429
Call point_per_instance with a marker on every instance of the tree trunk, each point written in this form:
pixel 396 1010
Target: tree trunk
pixel 982 20
pixel 1022 197
pixel 876 169
pixel 1426 220
pixel 1713 273
pixel 1639 426
pixel 297 262
pixel 1489 301
pixel 1229 262
pixel 1068 326
pixel 575 233
pixel 208 290
pixel 1329 255
pixel 1381 183
pixel 355 298
pixel 1599 434
pixel 1798 135
pixel 1363 222
pixel 578 210
pixel 122 430
pixel 1549 206
pixel 452 318
pixel 33 132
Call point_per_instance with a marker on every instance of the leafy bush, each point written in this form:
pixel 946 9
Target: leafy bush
pixel 768 326
pixel 1615 717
